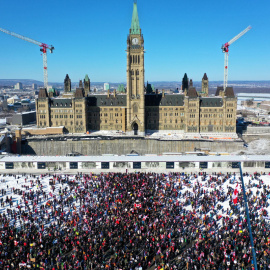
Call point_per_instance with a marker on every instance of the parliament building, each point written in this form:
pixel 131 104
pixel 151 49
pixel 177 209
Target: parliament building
pixel 139 110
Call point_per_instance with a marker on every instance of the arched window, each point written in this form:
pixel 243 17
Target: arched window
pixel 138 59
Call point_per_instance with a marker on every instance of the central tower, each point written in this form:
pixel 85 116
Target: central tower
pixel 135 77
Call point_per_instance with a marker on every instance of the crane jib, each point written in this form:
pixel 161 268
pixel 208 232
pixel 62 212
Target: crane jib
pixel 225 49
pixel 43 49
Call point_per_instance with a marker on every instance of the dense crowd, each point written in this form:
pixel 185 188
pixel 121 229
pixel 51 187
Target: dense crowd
pixel 132 221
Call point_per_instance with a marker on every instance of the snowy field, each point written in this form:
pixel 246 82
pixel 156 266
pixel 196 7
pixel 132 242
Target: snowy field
pixel 66 214
pixel 30 193
pixel 257 147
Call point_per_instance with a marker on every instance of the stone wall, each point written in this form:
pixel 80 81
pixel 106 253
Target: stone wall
pixel 124 146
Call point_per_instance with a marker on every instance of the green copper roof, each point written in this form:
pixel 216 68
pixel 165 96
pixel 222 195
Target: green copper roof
pixel 121 88
pixel 135 25
pixel 86 78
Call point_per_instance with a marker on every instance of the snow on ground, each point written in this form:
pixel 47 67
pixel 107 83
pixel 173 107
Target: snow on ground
pixel 25 184
pixel 257 147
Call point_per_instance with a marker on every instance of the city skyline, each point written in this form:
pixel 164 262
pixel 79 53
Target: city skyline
pixel 90 38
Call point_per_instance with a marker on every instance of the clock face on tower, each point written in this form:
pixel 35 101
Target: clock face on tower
pixel 135 41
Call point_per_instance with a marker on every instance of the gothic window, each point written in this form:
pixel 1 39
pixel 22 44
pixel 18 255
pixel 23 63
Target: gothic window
pixel 138 59
pixel 130 59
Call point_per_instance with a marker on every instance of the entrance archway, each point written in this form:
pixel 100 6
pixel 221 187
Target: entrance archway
pixel 135 128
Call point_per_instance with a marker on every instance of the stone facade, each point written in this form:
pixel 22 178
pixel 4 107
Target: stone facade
pixel 139 110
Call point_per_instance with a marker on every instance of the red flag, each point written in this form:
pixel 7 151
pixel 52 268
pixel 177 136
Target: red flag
pixel 235 195
pixel 139 205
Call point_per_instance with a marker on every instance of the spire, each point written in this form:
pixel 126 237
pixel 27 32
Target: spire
pixel 135 25
pixel 205 77
pixel 67 84
pixel 80 84
pixel 185 82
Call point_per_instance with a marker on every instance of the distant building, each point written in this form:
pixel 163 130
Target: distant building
pixel 18 86
pixel 241 97
pixel 22 119
pixel 13 100
pixel 34 86
pixel 141 109
pixel 106 86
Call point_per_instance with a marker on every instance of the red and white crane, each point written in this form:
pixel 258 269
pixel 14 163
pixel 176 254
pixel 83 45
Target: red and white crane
pixel 43 48
pixel 225 49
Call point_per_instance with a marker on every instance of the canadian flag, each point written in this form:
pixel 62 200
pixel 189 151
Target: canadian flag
pixel 235 195
pixel 138 205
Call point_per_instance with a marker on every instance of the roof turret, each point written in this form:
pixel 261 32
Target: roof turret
pixel 205 77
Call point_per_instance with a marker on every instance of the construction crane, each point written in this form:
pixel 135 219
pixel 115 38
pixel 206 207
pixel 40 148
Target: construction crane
pixel 43 48
pixel 225 49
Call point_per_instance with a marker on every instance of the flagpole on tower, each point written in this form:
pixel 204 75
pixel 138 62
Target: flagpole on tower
pixel 248 219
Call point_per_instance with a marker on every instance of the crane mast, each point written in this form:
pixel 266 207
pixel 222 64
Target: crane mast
pixel 225 49
pixel 43 48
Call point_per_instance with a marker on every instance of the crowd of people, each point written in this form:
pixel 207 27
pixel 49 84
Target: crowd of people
pixel 132 221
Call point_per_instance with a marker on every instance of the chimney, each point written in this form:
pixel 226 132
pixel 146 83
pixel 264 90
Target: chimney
pixel 114 93
pixel 163 93
pixel 108 93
